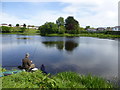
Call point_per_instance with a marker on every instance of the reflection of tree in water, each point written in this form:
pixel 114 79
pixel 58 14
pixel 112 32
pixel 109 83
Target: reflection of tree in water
pixel 49 43
pixel 69 45
pixel 60 45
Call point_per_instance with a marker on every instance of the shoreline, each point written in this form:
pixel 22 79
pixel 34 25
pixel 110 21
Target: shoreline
pixel 70 35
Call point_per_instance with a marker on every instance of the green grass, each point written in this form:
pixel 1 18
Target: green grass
pixel 62 80
pixel 85 35
pixel 2 69
pixel 22 33
pixel 26 32
pixel 35 32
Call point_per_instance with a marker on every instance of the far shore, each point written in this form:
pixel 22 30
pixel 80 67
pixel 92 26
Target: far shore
pixel 99 35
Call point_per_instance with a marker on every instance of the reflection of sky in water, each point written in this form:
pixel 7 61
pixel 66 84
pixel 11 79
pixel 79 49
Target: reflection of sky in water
pixel 80 54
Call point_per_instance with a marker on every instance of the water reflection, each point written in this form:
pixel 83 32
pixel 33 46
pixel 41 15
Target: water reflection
pixel 61 45
pixel 70 45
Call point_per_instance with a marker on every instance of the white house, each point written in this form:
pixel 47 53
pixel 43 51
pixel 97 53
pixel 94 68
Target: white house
pixel 31 26
pixel 116 28
pixel 36 27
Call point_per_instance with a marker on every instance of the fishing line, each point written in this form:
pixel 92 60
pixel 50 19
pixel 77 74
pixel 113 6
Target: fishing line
pixel 34 51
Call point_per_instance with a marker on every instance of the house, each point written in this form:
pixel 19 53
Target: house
pixel 36 27
pixel 4 24
pixel 116 28
pixel 21 25
pixel 101 29
pixel 31 26
pixel 90 29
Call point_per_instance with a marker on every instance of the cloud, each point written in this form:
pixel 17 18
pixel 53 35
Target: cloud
pixel 96 13
pixel 91 12
pixel 9 19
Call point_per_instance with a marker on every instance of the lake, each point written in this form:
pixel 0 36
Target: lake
pixel 84 55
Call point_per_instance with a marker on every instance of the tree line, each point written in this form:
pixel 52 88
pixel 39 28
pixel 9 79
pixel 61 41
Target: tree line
pixel 69 25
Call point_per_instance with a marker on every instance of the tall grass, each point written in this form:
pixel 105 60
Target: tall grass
pixel 62 80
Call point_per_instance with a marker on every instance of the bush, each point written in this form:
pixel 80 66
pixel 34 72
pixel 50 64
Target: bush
pixel 48 28
pixel 6 29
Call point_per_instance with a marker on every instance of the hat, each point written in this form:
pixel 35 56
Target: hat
pixel 27 54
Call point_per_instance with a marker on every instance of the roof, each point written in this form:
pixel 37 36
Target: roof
pixel 117 26
pixel 4 24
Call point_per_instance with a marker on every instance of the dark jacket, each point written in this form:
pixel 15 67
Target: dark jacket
pixel 26 63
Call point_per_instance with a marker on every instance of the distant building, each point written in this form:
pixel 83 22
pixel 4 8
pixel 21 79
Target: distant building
pixel 101 29
pixel 21 26
pixel 31 26
pixel 4 24
pixel 116 28
pixel 36 27
pixel 90 29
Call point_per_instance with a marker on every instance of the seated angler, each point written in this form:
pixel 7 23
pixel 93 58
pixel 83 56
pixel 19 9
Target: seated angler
pixel 27 63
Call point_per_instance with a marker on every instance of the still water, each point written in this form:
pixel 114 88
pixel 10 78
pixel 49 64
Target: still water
pixel 84 55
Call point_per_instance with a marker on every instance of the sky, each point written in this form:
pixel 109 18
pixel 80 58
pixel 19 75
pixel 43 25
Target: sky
pixel 94 13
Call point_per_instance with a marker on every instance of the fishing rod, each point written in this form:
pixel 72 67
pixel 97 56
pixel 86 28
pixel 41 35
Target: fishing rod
pixel 10 66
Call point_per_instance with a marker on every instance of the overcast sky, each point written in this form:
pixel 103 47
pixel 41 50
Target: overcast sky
pixel 96 13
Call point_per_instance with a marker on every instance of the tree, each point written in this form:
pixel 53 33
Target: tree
pixel 17 25
pixel 10 25
pixel 71 24
pixel 70 45
pixel 87 27
pixel 48 28
pixel 60 21
pixel 24 25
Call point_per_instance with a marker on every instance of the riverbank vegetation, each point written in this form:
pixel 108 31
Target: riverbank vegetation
pixel 71 27
pixel 38 79
pixel 85 35
pixel 18 30
pixel 62 27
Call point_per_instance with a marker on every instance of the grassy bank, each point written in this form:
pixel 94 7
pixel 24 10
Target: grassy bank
pixel 25 32
pixel 22 33
pixel 61 80
pixel 70 35
pixel 86 35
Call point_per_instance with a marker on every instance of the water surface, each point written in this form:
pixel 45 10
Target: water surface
pixel 83 55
